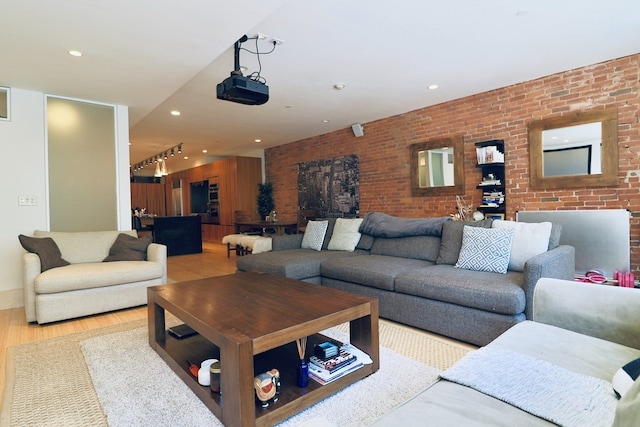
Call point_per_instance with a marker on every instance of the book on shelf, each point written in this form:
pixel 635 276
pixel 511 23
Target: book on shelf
pixel 334 363
pixel 357 361
pixel 489 154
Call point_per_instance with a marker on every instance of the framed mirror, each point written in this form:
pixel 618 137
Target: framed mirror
pixel 5 103
pixel 437 167
pixel 574 150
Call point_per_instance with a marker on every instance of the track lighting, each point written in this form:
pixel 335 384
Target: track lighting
pixel 159 160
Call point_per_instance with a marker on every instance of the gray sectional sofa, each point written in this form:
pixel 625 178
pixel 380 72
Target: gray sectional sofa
pixel 415 279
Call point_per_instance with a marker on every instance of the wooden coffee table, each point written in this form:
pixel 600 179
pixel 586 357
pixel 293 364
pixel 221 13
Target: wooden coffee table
pixel 250 321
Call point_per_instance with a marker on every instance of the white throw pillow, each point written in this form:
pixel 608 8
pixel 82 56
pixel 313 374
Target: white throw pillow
pixel 345 235
pixel 485 249
pixel 531 239
pixel 314 235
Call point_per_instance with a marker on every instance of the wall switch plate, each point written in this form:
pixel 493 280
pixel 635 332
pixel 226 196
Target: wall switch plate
pixel 27 200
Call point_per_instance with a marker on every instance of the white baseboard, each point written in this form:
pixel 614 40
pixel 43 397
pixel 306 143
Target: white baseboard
pixel 12 298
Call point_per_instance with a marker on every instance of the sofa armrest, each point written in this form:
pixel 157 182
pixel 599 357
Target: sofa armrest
pixel 287 241
pixel 30 270
pixel 157 252
pixel 558 263
pixel 608 312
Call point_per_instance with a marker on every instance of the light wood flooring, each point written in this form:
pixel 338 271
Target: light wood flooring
pixel 212 262
pixel 15 329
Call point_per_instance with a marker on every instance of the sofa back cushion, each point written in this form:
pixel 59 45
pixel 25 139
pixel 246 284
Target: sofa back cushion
pixel 424 248
pixel 449 250
pixel 84 246
pixel 530 239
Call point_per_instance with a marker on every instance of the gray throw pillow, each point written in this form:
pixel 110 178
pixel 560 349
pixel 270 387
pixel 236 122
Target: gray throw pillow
pixel 452 239
pixel 128 248
pixel 46 249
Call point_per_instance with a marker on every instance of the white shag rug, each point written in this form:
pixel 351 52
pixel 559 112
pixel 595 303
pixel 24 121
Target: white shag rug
pixel 137 388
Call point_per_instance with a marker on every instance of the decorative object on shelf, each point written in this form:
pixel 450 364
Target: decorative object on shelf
pixel 214 371
pixel 273 216
pixel 477 216
pixel 303 367
pixel 267 387
pixel 265 199
pixel 462 209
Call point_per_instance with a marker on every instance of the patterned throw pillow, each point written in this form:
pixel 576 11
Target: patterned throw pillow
pixel 314 235
pixel 485 249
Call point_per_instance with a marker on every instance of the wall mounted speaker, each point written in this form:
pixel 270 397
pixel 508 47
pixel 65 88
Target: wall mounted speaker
pixel 357 129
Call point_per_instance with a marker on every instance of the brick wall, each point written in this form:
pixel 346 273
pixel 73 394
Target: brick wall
pixel 499 114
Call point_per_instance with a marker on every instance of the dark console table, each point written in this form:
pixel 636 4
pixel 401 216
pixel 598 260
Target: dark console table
pixel 181 234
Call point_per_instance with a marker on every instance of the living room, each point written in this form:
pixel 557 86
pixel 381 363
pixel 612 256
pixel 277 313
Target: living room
pixel 503 113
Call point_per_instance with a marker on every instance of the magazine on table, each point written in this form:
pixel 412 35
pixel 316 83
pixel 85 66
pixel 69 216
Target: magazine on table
pixel 324 376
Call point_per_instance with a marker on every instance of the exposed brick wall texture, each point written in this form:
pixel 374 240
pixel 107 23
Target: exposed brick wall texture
pixel 499 114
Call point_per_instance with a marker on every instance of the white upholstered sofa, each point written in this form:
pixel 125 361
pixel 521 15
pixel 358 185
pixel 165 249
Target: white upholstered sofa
pixel 580 334
pixel 89 285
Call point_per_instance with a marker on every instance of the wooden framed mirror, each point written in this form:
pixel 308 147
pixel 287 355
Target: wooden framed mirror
pixel 5 103
pixel 437 167
pixel 574 150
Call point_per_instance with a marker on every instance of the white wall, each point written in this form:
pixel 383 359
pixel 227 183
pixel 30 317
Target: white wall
pixel 23 172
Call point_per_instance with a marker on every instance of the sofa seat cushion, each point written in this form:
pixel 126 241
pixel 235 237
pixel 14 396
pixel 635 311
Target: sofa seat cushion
pixel 95 275
pixel 376 271
pixel 495 292
pixel 293 263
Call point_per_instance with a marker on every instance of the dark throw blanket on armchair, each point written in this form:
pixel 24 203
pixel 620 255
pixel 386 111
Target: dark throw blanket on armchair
pixel 382 225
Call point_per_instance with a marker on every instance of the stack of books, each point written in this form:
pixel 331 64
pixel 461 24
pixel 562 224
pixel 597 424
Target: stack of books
pixel 492 199
pixel 330 369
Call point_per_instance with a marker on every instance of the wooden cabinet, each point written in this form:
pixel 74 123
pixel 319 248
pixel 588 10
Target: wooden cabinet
pixel 150 197
pixel 237 179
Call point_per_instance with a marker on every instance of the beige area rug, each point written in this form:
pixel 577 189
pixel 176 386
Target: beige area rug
pixel 49 383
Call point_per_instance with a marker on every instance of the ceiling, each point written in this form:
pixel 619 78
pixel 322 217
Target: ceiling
pixel 160 55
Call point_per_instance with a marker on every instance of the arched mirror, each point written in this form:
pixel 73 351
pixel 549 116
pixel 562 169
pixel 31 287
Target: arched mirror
pixel 574 150
pixel 437 167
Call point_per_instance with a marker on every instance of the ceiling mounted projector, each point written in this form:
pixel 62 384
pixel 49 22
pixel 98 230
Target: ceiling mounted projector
pixel 242 89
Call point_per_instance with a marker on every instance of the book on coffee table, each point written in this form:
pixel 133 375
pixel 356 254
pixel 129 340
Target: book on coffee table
pixel 358 360
pixel 332 364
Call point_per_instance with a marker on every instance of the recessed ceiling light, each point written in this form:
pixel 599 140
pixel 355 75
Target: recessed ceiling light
pixel 175 113
pixel 325 120
pixel 432 87
pixel 186 157
pixel 75 53
pixel 258 140
pixel 339 86
pixel 204 151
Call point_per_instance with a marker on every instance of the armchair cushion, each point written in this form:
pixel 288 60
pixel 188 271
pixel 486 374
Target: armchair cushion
pixel 46 249
pixel 128 248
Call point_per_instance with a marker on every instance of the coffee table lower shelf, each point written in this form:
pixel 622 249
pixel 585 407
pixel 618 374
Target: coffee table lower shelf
pixel 292 400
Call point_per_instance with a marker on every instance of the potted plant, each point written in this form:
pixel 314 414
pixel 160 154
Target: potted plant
pixel 265 199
